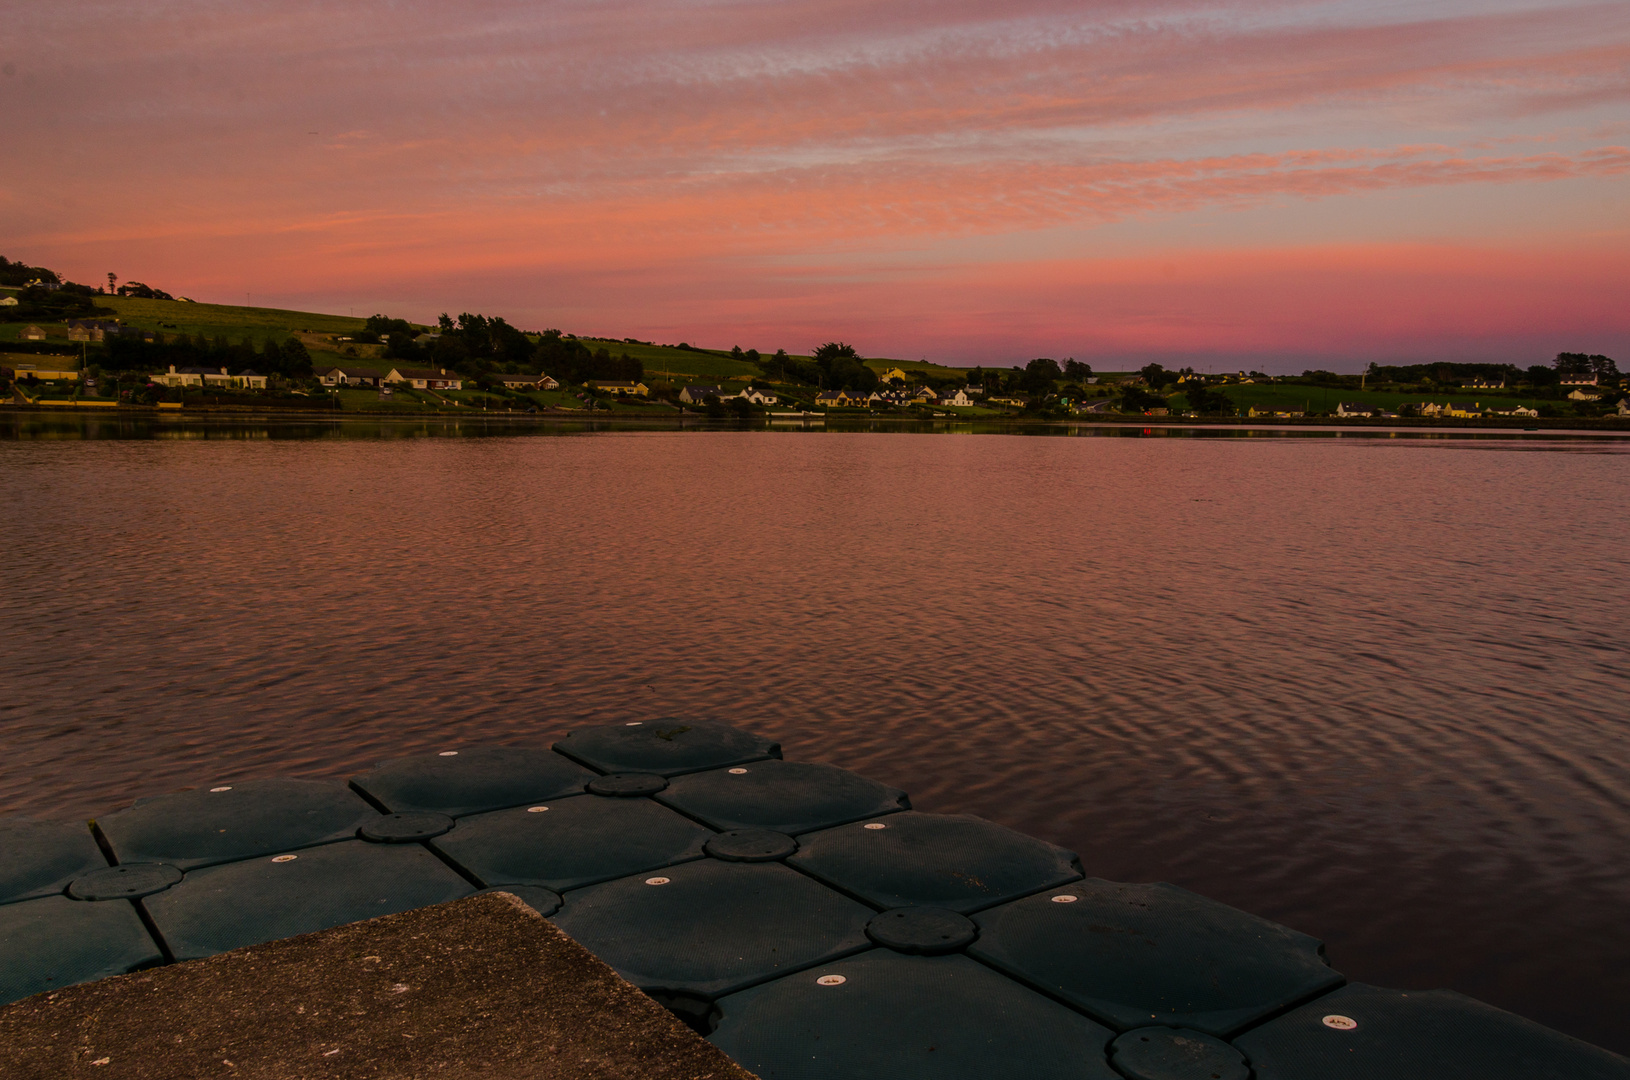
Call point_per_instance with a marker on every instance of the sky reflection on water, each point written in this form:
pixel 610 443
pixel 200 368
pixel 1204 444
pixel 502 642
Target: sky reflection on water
pixel 1371 687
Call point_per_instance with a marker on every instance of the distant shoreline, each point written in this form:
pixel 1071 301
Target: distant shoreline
pixel 838 421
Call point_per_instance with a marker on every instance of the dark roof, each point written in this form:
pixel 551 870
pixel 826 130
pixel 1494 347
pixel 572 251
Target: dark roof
pixel 198 371
pixel 250 373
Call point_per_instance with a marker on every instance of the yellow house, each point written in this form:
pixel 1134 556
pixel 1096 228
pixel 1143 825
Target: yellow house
pixel 892 374
pixel 46 371
pixel 638 389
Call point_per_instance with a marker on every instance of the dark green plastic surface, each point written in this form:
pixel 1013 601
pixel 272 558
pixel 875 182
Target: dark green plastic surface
pixel 1136 955
pixel 751 845
pixel 709 927
pixel 38 858
pixel 788 796
pixel 1418 1035
pixel 626 785
pixel 666 747
pixel 226 907
pixel 127 881
pixel 235 821
pixel 907 1018
pixel 405 828
pixel 575 842
pixel 922 931
pixel 1163 1053
pixel 53 942
pixel 471 780
pixel 951 861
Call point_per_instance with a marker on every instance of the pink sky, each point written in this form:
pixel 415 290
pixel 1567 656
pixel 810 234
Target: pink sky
pixel 1261 184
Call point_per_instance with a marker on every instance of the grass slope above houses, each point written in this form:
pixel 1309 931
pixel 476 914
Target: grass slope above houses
pixel 225 320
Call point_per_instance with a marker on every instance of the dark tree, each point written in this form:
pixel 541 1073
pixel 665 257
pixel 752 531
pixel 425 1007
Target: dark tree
pixel 1041 377
pixel 1156 376
pixel 1076 371
pixel 1135 399
pixel 841 368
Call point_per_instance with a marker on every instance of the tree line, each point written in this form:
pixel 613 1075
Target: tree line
pixel 288 358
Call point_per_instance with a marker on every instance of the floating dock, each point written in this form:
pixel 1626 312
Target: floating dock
pixel 802 918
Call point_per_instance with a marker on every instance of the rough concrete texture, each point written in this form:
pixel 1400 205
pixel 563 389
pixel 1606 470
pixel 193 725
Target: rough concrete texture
pixel 481 987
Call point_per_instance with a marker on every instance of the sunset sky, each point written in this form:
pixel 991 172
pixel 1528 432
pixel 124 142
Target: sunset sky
pixel 1258 184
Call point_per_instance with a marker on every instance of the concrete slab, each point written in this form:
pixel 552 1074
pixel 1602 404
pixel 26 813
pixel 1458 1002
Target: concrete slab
pixel 481 987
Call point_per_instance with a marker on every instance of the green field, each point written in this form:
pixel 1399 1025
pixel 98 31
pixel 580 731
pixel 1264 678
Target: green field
pixel 212 320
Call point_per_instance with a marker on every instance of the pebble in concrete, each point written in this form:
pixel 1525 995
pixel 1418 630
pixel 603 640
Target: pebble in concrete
pixel 666 747
pixel 792 797
pixel 244 903
pixel 883 1015
pixel 53 942
pixel 1366 1033
pixel 472 779
pixel 708 928
pixel 570 843
pixel 1138 955
pixel 951 861
pixel 1163 1053
pixel 239 820
pixel 39 858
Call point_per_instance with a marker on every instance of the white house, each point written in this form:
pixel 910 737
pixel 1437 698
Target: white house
pixel 695 395
pixel 8 301
pixel 959 399
pixel 351 376
pixel 1352 408
pixel 759 397
pixel 425 378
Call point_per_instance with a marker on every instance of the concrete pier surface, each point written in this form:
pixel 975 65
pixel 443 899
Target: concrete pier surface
pixel 694 907
pixel 482 987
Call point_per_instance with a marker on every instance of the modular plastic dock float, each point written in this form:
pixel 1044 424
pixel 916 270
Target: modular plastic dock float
pixel 804 919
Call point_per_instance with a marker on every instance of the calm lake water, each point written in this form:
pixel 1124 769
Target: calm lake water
pixel 1372 687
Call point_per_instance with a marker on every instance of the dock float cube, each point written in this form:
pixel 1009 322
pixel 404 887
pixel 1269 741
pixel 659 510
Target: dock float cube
pixel 40 858
pixel 789 797
pixel 892 1017
pixel 224 907
pixel 952 861
pixel 54 941
pixel 665 747
pixel 1140 955
pixel 708 928
pixel 1366 1033
pixel 569 843
pixel 240 820
pixel 471 780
